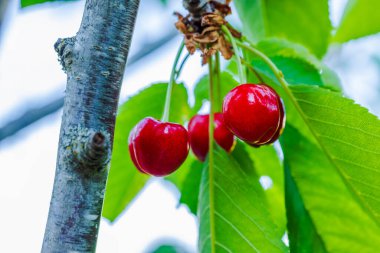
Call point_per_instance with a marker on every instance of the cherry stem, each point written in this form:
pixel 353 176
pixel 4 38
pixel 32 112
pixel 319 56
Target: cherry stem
pixel 278 74
pixel 249 67
pixel 178 72
pixel 242 77
pixel 169 91
pixel 217 77
pixel 211 152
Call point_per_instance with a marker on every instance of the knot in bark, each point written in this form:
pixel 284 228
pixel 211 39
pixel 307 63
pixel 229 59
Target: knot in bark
pixel 64 49
pixel 92 150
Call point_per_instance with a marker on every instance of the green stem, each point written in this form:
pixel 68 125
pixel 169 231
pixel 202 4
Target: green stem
pixel 217 81
pixel 169 91
pixel 211 155
pixel 236 50
pixel 249 67
pixel 278 74
pixel 178 72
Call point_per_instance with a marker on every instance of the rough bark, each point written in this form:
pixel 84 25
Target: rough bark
pixel 94 61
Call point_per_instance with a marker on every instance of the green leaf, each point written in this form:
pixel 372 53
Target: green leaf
pixel 267 164
pixel 124 181
pixel 302 233
pixel 350 138
pixel 179 176
pixel 187 180
pixel 295 70
pixel 281 47
pixel 201 90
pixel 331 212
pixel 26 3
pixel 360 18
pixel 306 22
pixel 297 64
pixel 190 187
pixel 238 208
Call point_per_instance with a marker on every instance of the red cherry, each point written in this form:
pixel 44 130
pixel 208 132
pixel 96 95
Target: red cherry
pixel 132 151
pixel 254 113
pixel 199 135
pixel 158 148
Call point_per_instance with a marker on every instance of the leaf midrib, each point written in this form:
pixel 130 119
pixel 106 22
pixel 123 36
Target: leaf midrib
pixel 331 158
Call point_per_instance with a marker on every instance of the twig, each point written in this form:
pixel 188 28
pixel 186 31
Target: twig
pixel 32 115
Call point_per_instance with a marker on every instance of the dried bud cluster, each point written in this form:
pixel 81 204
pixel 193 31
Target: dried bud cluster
pixel 205 33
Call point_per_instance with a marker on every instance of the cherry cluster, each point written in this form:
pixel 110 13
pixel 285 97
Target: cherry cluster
pixel 252 112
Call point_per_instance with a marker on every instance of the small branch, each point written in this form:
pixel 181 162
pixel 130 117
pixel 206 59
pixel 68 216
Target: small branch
pixel 3 10
pixel 35 114
pixel 29 117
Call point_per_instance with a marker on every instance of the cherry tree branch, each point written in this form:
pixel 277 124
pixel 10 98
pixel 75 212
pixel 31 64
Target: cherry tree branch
pixel 94 60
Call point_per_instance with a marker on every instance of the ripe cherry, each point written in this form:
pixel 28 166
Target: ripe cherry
pixel 199 135
pixel 254 113
pixel 158 148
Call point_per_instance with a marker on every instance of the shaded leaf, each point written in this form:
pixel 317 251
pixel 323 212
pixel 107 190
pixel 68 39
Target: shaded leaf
pixel 201 90
pixel 187 180
pixel 190 187
pixel 302 233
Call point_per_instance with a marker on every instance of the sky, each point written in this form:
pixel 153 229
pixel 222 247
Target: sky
pixel 31 75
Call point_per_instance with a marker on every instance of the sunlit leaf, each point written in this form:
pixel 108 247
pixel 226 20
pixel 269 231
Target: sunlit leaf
pixel 327 216
pixel 269 168
pixel 350 138
pixel 235 217
pixel 306 22
pixel 360 18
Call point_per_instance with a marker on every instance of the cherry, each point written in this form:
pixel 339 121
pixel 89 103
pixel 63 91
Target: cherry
pixel 254 113
pixel 158 148
pixel 199 135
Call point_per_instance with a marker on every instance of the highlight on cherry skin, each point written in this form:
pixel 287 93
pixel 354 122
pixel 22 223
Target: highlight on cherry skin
pixel 254 113
pixel 158 148
pixel 199 134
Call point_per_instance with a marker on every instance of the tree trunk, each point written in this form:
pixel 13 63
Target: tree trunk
pixel 94 61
